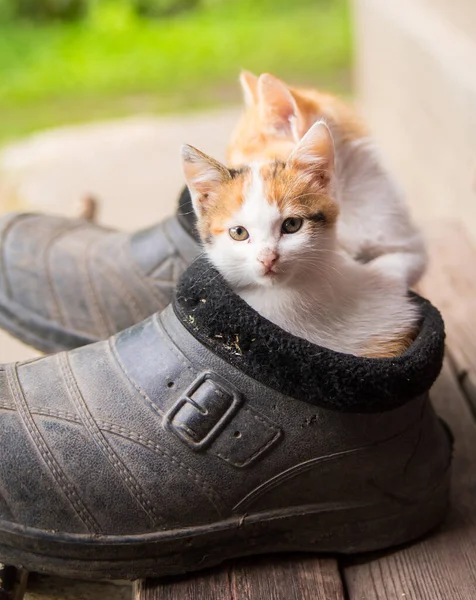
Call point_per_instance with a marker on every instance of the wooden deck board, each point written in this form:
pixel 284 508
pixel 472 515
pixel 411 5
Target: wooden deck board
pixel 296 577
pixel 450 283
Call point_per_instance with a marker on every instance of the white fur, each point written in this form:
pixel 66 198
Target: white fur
pixel 375 224
pixel 342 305
pixel 319 292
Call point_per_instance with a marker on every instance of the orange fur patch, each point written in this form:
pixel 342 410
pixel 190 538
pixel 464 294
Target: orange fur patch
pixel 223 204
pixel 314 105
pixel 251 141
pixel 379 347
pixel 297 193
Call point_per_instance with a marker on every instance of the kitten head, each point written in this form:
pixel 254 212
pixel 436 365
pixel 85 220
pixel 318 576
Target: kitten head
pixel 266 223
pixel 271 124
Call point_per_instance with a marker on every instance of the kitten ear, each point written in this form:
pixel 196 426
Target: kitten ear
pixel 277 107
pixel 203 175
pixel 249 84
pixel 315 152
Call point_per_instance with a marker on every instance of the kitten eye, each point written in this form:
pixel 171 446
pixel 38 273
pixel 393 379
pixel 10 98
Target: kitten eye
pixel 291 225
pixel 239 233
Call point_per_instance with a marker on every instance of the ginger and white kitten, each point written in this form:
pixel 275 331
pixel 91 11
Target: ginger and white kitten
pixel 270 230
pixel 375 224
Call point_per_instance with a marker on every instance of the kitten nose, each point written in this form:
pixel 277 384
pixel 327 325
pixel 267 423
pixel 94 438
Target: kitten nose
pixel 268 258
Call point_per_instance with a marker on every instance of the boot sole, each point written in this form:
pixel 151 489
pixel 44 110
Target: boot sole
pixel 311 528
pixel 33 330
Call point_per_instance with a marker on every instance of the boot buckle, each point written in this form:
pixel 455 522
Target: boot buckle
pixel 202 412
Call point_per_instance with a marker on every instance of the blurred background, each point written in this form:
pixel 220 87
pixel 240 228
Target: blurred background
pixel 64 61
pixel 116 86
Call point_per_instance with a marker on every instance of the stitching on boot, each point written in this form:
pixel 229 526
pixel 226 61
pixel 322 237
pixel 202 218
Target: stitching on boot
pixel 45 453
pixel 132 303
pixel 171 345
pixel 96 434
pixel 102 320
pixel 211 494
pixel 55 413
pixel 112 346
pixel 56 310
pixel 181 359
pixel 137 438
pixel 132 269
pixel 6 405
pixel 170 283
pixel 254 455
pixel 271 428
pixel 4 235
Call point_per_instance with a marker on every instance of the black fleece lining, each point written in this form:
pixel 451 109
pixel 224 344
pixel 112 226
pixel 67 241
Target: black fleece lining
pixel 186 214
pixel 229 327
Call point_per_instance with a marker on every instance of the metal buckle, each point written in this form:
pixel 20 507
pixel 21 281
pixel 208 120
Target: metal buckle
pixel 203 411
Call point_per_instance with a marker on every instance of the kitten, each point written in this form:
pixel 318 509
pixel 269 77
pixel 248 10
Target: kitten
pixel 375 224
pixel 270 230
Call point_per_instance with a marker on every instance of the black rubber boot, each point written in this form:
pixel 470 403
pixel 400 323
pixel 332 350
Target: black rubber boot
pixel 67 282
pixel 205 432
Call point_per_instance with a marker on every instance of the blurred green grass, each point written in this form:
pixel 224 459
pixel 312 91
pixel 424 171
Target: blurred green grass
pixel 115 63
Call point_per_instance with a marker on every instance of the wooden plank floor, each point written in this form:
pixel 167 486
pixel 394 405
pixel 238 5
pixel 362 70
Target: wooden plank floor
pixel 296 577
pixel 451 283
pixel 440 567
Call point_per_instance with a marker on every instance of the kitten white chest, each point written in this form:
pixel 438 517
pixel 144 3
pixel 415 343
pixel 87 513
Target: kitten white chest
pixel 343 309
